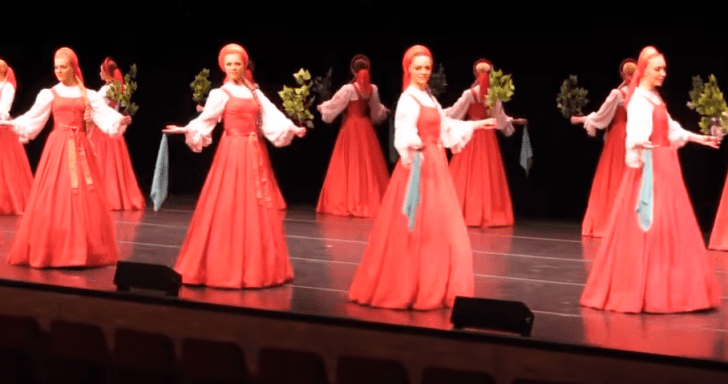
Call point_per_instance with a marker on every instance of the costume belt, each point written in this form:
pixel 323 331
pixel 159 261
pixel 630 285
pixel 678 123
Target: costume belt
pixel 262 183
pixel 76 154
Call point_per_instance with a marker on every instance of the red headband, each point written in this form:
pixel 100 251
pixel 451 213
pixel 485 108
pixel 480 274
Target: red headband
pixel 414 51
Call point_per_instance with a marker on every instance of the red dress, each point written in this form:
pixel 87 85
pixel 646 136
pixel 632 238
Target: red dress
pixel 66 222
pixel 608 176
pixel 665 269
pixel 719 236
pixel 120 183
pixel 426 268
pixel 357 174
pixel 278 199
pixel 16 177
pixel 479 176
pixel 236 237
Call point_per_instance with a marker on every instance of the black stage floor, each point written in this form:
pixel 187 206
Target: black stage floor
pixel 542 263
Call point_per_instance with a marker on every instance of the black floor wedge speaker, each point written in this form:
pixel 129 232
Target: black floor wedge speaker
pixel 147 278
pixel 489 314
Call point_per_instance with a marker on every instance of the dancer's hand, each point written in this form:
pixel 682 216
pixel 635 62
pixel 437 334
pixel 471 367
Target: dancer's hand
pixel 299 131
pixel 578 119
pixel 486 124
pixel 519 121
pixel 126 120
pixel 174 129
pixel 200 108
pixel 409 158
pixel 708 140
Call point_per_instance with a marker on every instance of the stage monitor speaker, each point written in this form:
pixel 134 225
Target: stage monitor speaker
pixel 147 278
pixel 497 315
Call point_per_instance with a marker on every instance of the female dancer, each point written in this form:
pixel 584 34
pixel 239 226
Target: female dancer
pixel 652 258
pixel 477 172
pixel 611 163
pixel 357 174
pixel 15 175
pixel 236 237
pixel 112 154
pixel 277 195
pixel 67 221
pixel 428 266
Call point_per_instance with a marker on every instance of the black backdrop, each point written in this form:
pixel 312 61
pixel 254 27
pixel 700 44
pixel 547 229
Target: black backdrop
pixel 171 41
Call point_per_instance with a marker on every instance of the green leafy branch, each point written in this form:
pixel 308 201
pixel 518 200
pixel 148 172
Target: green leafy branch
pixel 438 81
pixel 707 99
pixel 123 98
pixel 571 98
pixel 501 89
pixel 297 101
pixel 322 85
pixel 201 86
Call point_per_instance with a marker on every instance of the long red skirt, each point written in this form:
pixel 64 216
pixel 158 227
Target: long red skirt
pixel 67 222
pixel 16 177
pixel 480 182
pixel 665 269
pixel 357 174
pixel 607 180
pixel 235 240
pixel 120 183
pixel 426 268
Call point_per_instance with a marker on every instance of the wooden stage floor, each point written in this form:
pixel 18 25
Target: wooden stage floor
pixel 542 263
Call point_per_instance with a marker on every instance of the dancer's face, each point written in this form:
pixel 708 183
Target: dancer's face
pixel 234 67
pixel 420 70
pixel 482 68
pixel 63 70
pixel 655 72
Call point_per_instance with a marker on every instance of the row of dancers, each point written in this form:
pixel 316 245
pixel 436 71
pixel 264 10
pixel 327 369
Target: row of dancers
pixel 651 259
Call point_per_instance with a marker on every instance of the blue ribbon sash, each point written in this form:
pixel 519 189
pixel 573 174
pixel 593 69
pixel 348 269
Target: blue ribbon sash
pixel 412 195
pixel 645 201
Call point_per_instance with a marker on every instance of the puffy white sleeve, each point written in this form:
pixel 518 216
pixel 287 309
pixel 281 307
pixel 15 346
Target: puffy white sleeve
pixel 677 134
pixel 405 127
pixel 103 91
pixel 32 122
pixel 276 127
pixel 378 112
pixel 341 99
pixel 454 133
pixel 639 129
pixel 604 116
pixel 7 95
pixel 504 123
pixel 105 117
pixel 460 108
pixel 199 130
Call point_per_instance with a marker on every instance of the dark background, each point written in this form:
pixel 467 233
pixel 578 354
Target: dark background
pixel 171 41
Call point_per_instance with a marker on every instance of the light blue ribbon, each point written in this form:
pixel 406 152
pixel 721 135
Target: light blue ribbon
pixel 412 196
pixel 160 182
pixel 526 151
pixel 645 203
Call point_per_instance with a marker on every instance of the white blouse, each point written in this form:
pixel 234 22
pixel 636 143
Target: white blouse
pixel 7 95
pixel 341 99
pixel 639 126
pixel 454 134
pixel 276 127
pixel 32 122
pixel 504 123
pixel 604 116
pixel 103 91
